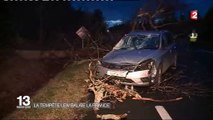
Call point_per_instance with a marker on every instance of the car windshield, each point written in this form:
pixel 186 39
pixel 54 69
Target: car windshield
pixel 139 42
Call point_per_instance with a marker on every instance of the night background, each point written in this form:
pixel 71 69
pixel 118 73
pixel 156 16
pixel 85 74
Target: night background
pixel 42 56
pixel 33 25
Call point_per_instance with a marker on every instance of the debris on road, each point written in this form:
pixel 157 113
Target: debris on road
pixel 104 91
pixel 111 116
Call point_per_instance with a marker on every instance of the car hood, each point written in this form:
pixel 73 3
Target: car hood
pixel 128 56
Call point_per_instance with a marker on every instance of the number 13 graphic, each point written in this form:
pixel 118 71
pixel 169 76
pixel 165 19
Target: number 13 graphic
pixel 24 100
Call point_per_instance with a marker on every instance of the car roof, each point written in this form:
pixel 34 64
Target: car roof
pixel 146 32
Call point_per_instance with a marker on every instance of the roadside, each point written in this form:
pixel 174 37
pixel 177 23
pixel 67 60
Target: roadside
pixel 36 78
pixel 20 76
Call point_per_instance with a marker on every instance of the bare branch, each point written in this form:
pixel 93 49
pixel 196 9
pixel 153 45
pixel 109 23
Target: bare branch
pixel 159 26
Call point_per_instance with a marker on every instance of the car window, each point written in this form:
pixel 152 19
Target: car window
pixel 138 42
pixel 169 38
pixel 164 40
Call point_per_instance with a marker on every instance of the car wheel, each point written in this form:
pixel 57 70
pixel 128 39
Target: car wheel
pixel 158 77
pixel 175 62
pixel 156 74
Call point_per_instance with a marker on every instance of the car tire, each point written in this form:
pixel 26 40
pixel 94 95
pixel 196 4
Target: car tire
pixel 158 77
pixel 174 66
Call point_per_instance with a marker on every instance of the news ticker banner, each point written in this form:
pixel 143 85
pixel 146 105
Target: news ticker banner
pixel 24 102
pixel 67 0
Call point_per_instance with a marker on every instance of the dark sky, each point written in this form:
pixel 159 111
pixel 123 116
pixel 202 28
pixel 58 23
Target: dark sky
pixel 112 10
pixel 123 10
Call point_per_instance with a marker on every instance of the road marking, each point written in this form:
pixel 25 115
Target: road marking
pixel 163 113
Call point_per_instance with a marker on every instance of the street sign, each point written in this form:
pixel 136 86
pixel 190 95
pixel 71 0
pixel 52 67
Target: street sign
pixel 82 32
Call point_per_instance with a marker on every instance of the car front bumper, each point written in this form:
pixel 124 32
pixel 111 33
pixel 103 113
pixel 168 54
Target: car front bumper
pixel 134 78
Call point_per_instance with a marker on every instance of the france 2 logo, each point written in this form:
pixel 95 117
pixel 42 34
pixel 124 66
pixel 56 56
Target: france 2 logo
pixel 194 14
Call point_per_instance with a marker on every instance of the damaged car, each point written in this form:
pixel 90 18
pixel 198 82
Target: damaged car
pixel 140 58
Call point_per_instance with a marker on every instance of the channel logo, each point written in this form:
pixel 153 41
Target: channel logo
pixel 194 14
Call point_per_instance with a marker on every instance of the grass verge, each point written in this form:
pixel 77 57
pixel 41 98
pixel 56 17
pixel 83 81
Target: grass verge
pixel 66 87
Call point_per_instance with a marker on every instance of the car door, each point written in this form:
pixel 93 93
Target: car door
pixel 171 48
pixel 166 48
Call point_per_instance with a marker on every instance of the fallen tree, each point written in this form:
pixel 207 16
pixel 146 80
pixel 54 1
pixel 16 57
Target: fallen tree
pixel 112 116
pixel 104 91
pixel 110 90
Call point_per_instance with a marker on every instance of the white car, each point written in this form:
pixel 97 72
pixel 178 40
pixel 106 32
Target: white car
pixel 140 58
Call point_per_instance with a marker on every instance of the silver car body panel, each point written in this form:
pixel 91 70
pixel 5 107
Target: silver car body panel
pixel 133 75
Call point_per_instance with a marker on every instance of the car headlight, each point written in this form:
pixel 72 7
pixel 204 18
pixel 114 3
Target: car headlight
pixel 145 65
pixel 128 67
